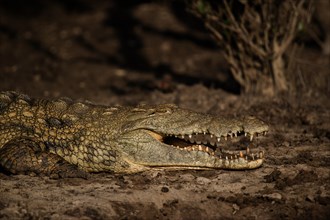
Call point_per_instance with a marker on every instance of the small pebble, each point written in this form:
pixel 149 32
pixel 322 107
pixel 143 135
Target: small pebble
pixel 274 196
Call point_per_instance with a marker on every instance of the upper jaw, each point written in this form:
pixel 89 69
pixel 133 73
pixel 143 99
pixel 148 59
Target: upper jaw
pixel 214 130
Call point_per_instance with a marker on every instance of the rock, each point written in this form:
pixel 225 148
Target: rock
pixel 273 196
pixel 203 181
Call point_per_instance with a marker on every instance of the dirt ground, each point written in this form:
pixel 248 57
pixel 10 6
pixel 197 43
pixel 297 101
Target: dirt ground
pixel 141 52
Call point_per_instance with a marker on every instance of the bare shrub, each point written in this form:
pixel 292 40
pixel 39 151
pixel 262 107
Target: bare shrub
pixel 255 35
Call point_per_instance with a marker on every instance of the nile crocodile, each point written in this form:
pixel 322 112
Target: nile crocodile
pixel 70 139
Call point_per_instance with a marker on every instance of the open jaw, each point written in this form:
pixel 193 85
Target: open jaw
pixel 214 155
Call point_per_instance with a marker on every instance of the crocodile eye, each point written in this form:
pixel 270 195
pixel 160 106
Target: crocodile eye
pixel 160 111
pixel 152 113
pixel 164 111
pixel 167 111
pixel 165 108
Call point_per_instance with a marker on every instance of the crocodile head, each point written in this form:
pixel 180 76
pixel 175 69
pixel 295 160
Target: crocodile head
pixel 170 137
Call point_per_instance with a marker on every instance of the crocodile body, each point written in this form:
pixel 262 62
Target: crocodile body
pixel 69 139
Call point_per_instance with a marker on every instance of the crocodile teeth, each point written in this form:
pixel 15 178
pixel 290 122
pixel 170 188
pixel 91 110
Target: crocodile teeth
pixel 241 154
pixel 198 148
pixel 203 141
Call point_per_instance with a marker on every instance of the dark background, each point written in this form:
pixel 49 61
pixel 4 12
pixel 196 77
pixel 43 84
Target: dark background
pixel 128 52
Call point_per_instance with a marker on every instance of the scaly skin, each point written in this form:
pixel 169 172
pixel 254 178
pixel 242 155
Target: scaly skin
pixel 63 138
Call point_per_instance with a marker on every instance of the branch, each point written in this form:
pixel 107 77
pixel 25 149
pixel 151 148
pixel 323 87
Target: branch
pixel 242 33
pixel 292 30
